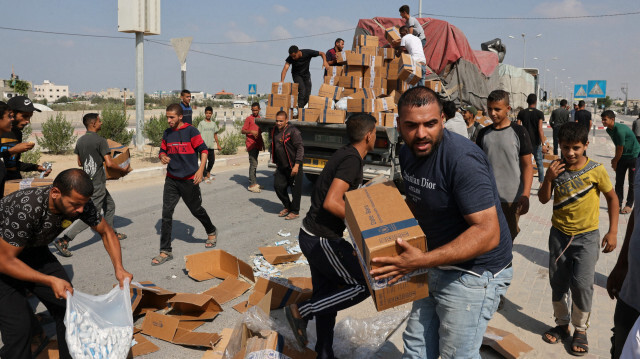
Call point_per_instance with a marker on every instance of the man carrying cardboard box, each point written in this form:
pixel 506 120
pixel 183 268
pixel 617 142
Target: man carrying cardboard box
pixel 338 46
pixel 300 60
pixel 338 281
pixel 452 193
pixel 412 45
pixel 93 155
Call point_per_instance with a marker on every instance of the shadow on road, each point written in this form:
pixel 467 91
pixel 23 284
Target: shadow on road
pixel 513 313
pixel 180 231
pixel 267 205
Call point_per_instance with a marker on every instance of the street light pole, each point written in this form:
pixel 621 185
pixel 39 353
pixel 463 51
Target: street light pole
pixel 524 47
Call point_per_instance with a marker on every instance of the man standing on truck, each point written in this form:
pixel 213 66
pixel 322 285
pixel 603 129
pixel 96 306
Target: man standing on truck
pixel 414 26
pixel 254 145
pixel 300 60
pixel 287 152
pixel 411 45
pixel 332 60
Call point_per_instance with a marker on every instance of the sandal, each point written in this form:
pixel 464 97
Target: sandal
pixel 38 343
pixel 559 333
pixel 160 259
pixel 121 236
pixel 283 213
pixel 579 341
pixel 297 324
pixel 210 243
pixel 62 245
pixel 291 216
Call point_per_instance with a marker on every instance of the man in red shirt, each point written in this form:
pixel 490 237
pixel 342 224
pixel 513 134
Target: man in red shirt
pixel 254 144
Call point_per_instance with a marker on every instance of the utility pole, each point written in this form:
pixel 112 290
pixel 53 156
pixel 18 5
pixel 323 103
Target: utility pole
pixel 420 9
pixel 181 45
pixel 625 90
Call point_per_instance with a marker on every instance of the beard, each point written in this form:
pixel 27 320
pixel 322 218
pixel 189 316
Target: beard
pixel 435 143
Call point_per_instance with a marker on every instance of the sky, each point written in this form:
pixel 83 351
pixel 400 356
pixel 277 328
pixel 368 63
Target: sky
pixel 603 48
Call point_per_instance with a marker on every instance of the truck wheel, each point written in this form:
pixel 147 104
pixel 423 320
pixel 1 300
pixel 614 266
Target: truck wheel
pixel 312 177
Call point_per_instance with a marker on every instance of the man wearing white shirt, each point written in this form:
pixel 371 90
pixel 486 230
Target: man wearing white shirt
pixel 413 46
pixel 414 26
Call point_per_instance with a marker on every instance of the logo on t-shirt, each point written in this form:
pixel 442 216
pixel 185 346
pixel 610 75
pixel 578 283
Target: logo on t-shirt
pixel 90 167
pixel 422 182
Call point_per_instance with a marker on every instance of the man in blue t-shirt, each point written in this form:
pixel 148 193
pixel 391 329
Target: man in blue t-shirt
pixel 451 191
pixel 185 103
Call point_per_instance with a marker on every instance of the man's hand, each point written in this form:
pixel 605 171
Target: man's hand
pixel 121 275
pixel 615 280
pixel 219 148
pixel 197 178
pixel 45 170
pixel 294 170
pixel 126 170
pixel 523 205
pixel 398 266
pixel 165 159
pixel 554 170
pixel 60 287
pixel 21 147
pixel 614 163
pixel 326 65
pixel 609 242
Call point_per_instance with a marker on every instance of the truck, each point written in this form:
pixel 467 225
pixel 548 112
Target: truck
pixel 468 76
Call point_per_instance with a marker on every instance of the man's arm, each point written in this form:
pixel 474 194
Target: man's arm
pixel 616 158
pixel 108 161
pixel 482 236
pixel 334 201
pixel 296 139
pixel 555 169
pixel 215 137
pixel 543 138
pixel 246 131
pixel 284 71
pixel 79 161
pixel 324 59
pixel 610 240
pixel 619 272
pixel 112 245
pixel 526 177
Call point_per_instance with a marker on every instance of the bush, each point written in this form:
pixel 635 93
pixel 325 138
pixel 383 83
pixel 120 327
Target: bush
pixel 232 139
pixel 57 135
pixel 114 125
pixel 154 128
pixel 31 156
pixel 196 120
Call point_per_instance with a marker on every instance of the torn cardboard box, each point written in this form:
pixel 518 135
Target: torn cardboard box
pixel 216 263
pixel 218 350
pixel 143 346
pixel 11 186
pixel 283 292
pixel 148 298
pixel 277 255
pixel 171 329
pixel 190 306
pixel 505 343
pixel 228 290
pixel 120 156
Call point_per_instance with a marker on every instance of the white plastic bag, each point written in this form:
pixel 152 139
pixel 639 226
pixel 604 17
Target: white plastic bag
pixel 342 103
pixel 99 327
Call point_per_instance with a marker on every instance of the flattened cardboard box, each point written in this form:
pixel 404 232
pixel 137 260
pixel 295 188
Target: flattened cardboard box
pixel 277 255
pixel 283 292
pixel 320 102
pixel 190 306
pixel 228 290
pixel 143 346
pixel 11 186
pixel 171 329
pixel 377 215
pixel 284 88
pixel 271 112
pixel 309 114
pixel 505 343
pixel 149 298
pixel 276 100
pixel 216 263
pixel 330 91
pixel 332 116
pixel 120 156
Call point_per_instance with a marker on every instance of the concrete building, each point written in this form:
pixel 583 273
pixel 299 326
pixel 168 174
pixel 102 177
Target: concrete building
pixel 7 92
pixel 116 93
pixel 50 91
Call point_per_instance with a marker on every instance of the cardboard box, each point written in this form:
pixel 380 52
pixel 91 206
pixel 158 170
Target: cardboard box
pixel 397 85
pixel 548 159
pixel 229 289
pixel 330 91
pixel 331 80
pixel 352 58
pixel 392 34
pixel 361 105
pixel 505 343
pixel 143 346
pixel 374 82
pixel 385 104
pixel 434 85
pixel 149 298
pixel 385 119
pixel 390 69
pixel 387 53
pixel 284 88
pixel 289 101
pixel 283 291
pixel 120 156
pixel 410 74
pixel 353 70
pixel 332 116
pixel 334 71
pixel 349 92
pixel 277 255
pixel 367 93
pixel 367 50
pixel 376 72
pixel 350 82
pixel 320 102
pixel 366 40
pixel 216 263
pixel 11 186
pixel 271 112
pixel 190 306
pixel 309 114
pixel 171 329
pixel 218 350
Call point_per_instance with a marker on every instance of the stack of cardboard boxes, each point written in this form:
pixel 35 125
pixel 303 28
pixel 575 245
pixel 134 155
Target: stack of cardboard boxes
pixel 283 97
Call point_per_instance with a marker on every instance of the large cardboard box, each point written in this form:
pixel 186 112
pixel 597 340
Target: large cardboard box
pixel 367 50
pixel 334 71
pixel 368 93
pixel 387 53
pixel 373 71
pixel 308 114
pixel 11 186
pixel 149 298
pixel 374 82
pixel 216 263
pixel 332 116
pixel 173 330
pixel 385 104
pixel 190 306
pixel 392 34
pixel 353 82
pixel 397 85
pixel 408 70
pixel 354 59
pixel 120 156
pixel 353 70
pixel 320 102
pixel 390 69
pixel 272 111
pixel 366 40
pixel 330 91
pixel 284 88
pixel 331 80
pixel 275 100
pixel 361 105
pixel 434 85
pixel 385 119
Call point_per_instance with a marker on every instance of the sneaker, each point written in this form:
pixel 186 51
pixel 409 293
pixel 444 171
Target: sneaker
pixel 254 189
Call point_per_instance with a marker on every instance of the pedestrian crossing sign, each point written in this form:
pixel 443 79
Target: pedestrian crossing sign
pixel 252 89
pixel 580 91
pixel 596 88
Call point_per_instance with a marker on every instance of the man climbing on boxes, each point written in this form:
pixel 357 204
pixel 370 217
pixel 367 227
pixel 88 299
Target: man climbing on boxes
pixel 299 61
pixel 411 44
pixel 338 281
pixel 412 23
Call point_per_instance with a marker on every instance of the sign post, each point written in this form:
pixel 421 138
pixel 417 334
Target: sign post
pixel 596 89
pixel 181 45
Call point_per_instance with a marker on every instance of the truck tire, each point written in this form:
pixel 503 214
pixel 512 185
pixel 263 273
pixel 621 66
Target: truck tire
pixel 312 177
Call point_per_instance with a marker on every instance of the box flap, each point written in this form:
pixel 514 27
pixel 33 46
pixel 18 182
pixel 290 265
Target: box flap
pixel 189 306
pixel 216 263
pixel 218 350
pixel 160 326
pixel 283 292
pixel 505 343
pixel 228 290
pixel 196 339
pixel 242 307
pixel 143 346
pixel 277 255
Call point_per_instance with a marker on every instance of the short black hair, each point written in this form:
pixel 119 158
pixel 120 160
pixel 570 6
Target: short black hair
pixel 572 132
pixel 293 49
pixel 608 114
pixel 3 108
pixel 358 125
pixel 404 8
pixel 449 108
pixel 175 108
pixel 74 179
pixel 404 28
pixel 498 95
pixel 563 102
pixel 185 91
pixel 282 113
pixel 532 99
pixel 417 97
pixel 89 119
pixel 208 108
pixel 581 103
pixel 255 104
pixel 337 41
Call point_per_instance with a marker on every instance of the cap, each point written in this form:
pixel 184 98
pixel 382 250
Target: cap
pixel 22 104
pixel 471 109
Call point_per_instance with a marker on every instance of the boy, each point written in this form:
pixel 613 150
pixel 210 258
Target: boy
pixel 209 132
pixel 338 282
pixel 93 155
pixel 185 103
pixel 179 150
pixel 254 144
pixel 287 152
pixel 531 119
pixel 509 151
pixel 574 237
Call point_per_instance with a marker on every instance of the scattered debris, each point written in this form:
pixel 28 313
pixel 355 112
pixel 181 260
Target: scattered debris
pixel 282 233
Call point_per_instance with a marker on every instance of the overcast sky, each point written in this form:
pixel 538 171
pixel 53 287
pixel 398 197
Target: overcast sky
pixel 591 48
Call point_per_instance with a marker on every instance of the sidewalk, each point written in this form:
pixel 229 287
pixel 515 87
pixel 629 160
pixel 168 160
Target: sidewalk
pixel 527 312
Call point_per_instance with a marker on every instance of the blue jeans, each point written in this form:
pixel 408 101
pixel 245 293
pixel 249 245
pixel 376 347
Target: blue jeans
pixel 537 154
pixel 424 74
pixel 451 321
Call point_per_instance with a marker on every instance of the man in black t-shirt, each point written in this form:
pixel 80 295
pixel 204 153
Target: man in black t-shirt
pixel 299 61
pixel 531 119
pixel 338 281
pixel 583 116
pixel 559 117
pixel 30 219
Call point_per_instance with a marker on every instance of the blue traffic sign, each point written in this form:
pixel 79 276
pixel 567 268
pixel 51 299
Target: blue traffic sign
pixel 596 88
pixel 580 91
pixel 252 89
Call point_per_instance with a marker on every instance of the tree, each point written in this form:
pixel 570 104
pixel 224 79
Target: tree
pixel 607 102
pixel 63 99
pixel 225 97
pixel 114 125
pixel 154 129
pixel 21 87
pixel 57 134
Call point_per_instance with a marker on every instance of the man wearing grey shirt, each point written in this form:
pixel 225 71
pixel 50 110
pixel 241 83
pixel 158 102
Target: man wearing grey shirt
pixel 413 24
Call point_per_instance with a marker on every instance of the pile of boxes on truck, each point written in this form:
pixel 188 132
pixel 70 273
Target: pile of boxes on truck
pixel 372 79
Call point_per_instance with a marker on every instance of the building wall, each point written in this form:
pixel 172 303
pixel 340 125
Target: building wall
pixel 50 91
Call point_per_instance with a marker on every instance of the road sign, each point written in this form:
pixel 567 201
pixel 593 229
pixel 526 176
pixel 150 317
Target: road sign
pixel 580 91
pixel 596 88
pixel 252 89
